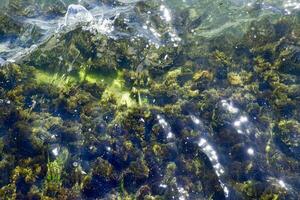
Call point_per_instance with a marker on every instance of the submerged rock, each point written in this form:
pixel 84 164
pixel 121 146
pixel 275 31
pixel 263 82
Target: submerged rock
pixel 151 108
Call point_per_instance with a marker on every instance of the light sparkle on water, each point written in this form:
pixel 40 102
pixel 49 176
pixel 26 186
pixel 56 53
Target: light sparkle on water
pixel 250 151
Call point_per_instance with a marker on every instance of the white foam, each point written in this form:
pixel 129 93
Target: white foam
pixel 77 14
pixel 102 25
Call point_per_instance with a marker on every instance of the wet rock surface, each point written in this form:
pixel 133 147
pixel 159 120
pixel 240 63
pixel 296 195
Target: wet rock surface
pixel 164 105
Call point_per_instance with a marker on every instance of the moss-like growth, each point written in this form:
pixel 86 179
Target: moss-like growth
pixel 125 116
pixel 239 79
pixel 53 180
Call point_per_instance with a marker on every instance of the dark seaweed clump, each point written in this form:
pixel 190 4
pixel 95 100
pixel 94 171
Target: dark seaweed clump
pixel 87 116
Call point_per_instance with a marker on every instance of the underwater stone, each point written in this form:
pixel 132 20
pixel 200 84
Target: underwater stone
pixel 9 26
pixel 124 151
pixel 296 58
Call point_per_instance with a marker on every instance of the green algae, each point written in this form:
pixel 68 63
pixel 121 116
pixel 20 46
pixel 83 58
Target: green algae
pixel 58 80
pixel 117 88
pixel 112 104
pixel 115 83
pixel 97 77
pixel 53 180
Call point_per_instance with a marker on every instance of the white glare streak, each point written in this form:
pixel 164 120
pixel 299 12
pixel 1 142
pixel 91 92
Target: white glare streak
pixel 166 13
pixel 229 106
pixel 164 124
pixel 250 151
pixel 243 119
pixel 237 123
pixel 195 119
pixel 291 4
pixel 282 184
pixel 155 33
pixel 55 151
pixel 183 193
pixel 212 155
pixel 226 191
pixel 240 121
pixel 202 142
pixel 170 135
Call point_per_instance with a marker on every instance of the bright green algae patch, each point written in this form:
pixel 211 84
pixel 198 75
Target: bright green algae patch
pixel 56 79
pixel 118 89
pixel 114 82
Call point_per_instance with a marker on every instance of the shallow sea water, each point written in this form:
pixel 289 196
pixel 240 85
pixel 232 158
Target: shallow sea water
pixel 158 99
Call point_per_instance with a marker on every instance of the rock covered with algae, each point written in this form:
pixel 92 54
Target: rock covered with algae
pixel 87 115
